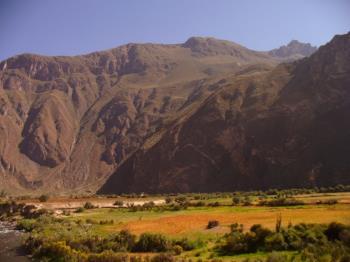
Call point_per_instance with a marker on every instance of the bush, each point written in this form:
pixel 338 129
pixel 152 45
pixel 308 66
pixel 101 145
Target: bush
pixel 51 251
pixel 26 224
pixel 212 224
pixel 181 200
pixel 119 203
pixel 79 210
pixel 281 202
pixel 152 243
pixel 88 205
pixel 275 241
pixel 177 250
pixel 334 231
pixel 187 244
pixel 43 198
pixel 124 241
pixel 247 201
pixel 236 200
pixel 168 200
pixel 148 205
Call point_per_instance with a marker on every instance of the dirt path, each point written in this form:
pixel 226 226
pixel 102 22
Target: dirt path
pixel 103 202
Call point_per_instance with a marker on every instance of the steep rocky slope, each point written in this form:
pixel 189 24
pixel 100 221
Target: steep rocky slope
pixel 287 127
pixel 68 123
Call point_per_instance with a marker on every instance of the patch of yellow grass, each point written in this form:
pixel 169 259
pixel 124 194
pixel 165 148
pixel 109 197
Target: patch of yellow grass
pixel 194 222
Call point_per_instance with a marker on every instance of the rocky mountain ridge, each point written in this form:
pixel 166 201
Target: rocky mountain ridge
pixel 69 123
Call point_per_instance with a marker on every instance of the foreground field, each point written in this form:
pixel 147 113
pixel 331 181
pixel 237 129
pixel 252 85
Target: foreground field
pixel 193 227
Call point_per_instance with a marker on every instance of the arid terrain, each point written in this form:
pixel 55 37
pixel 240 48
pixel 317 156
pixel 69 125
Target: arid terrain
pixel 131 118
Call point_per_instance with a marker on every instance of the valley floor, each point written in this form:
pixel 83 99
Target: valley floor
pixel 104 218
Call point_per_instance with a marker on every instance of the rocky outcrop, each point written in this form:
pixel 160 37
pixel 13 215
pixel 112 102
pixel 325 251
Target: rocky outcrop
pixel 293 50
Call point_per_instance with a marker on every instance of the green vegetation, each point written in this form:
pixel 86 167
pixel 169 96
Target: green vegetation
pixel 52 238
pixel 180 229
pixel 313 242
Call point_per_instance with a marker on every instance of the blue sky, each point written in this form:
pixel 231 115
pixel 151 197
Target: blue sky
pixel 70 27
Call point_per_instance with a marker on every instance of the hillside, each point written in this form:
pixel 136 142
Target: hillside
pixel 287 127
pixel 68 123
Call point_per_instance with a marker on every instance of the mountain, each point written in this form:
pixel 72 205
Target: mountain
pixel 69 124
pixel 287 127
pixel 294 50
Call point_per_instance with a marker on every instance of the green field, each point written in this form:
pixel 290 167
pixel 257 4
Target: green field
pixel 179 226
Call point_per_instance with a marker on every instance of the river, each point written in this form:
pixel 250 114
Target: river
pixel 10 244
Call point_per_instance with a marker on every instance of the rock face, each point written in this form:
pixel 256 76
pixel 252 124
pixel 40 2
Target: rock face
pixel 293 50
pixel 287 127
pixel 206 115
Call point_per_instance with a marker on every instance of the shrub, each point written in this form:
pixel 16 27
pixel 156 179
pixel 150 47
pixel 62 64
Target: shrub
pixel 236 200
pixel 148 205
pixel 26 224
pixel 152 243
pixel 119 203
pixel 187 244
pixel 168 200
pixel 281 202
pixel 177 250
pixel 79 210
pixel 88 205
pixel 27 211
pixel 334 231
pixel 181 200
pixel 275 241
pixel 235 243
pixel 51 251
pixel 124 241
pixel 247 201
pixel 212 224
pixel 43 198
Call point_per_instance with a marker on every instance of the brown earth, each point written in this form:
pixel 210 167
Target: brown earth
pixel 287 127
pixel 205 115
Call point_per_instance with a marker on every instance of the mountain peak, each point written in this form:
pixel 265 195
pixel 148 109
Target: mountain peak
pixel 212 46
pixel 294 49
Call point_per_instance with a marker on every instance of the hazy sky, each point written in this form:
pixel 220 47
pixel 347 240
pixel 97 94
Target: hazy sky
pixel 68 27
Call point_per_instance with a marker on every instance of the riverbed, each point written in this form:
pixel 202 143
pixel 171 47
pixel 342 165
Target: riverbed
pixel 10 244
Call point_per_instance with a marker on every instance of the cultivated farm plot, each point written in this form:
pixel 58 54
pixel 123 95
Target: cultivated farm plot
pixel 193 221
